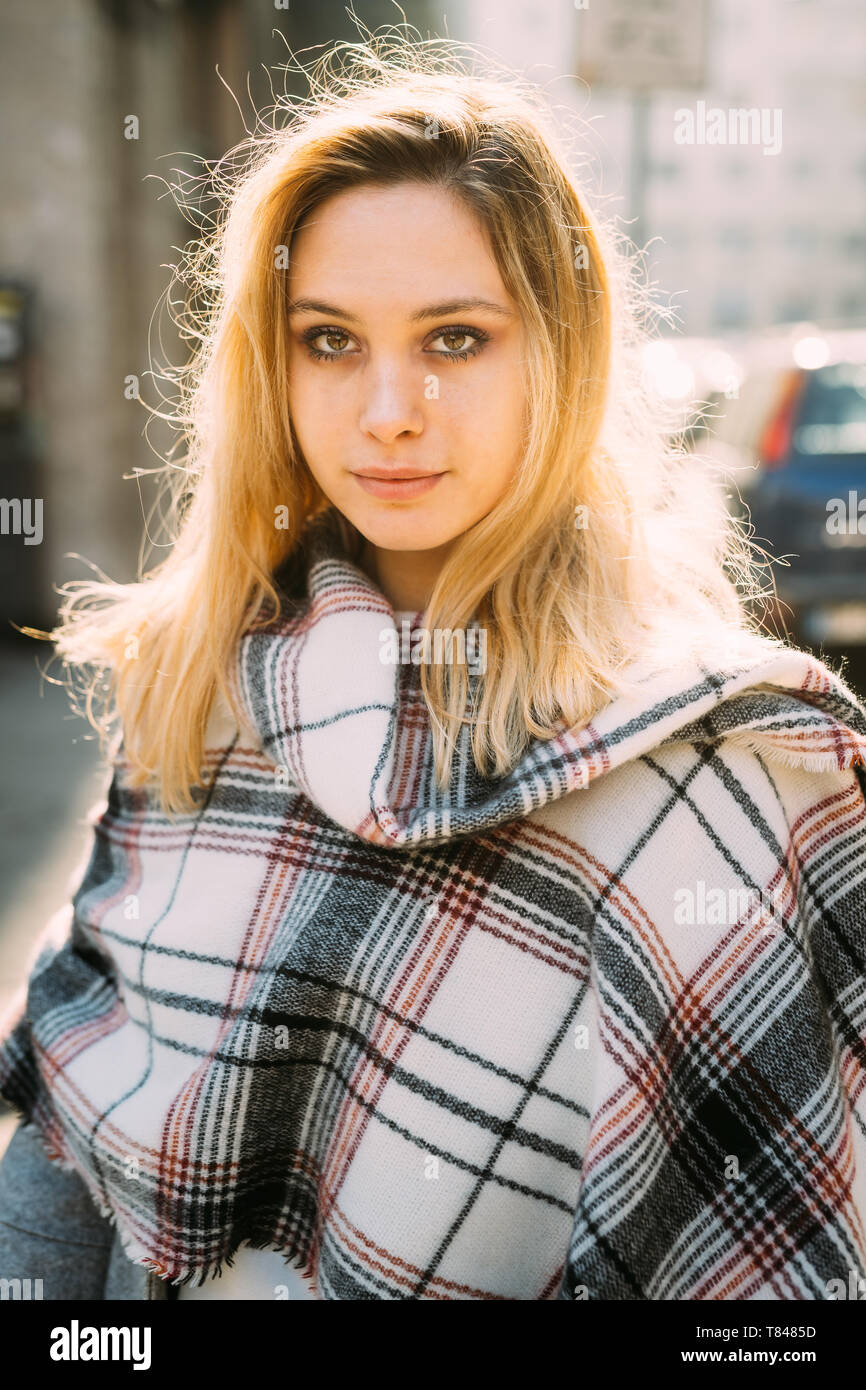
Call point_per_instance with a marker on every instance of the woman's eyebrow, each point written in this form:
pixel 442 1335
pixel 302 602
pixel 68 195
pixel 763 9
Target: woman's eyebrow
pixel 315 306
pixel 456 306
pixel 428 311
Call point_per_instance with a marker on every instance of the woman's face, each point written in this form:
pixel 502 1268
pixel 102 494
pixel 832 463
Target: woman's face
pixel 405 361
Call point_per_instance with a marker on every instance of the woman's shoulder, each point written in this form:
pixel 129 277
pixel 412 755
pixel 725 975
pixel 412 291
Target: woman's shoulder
pixel 704 757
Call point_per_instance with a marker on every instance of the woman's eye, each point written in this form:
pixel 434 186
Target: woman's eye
pixel 459 342
pixel 328 342
pixel 335 342
pixel 456 342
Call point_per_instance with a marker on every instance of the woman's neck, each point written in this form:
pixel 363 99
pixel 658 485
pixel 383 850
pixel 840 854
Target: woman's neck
pixel 405 577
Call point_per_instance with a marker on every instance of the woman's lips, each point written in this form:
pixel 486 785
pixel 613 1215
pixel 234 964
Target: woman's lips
pixel 398 490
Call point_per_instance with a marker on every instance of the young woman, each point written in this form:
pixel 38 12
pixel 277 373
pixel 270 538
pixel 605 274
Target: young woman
pixel 477 906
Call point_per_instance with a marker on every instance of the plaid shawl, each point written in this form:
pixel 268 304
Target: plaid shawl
pixel 595 1029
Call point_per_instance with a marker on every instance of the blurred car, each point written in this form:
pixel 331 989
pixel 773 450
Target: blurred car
pixel 792 437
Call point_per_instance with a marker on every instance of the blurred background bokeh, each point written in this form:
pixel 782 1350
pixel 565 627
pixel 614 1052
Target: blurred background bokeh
pixel 729 138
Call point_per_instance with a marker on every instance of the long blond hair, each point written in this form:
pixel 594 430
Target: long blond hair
pixel 608 537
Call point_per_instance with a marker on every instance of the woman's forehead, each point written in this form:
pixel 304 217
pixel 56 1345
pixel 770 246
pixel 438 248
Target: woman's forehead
pixel 407 243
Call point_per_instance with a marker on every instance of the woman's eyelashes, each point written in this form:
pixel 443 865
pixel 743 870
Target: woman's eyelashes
pixel 460 343
pixel 455 339
pixel 334 338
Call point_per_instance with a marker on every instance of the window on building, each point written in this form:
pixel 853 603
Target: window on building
pixel 736 238
pixel 851 304
pixel 793 308
pixel 731 309
pixel 798 237
pixel 665 169
pixel 853 243
pixel 675 239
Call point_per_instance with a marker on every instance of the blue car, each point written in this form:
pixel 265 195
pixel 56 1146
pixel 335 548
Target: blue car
pixel 794 441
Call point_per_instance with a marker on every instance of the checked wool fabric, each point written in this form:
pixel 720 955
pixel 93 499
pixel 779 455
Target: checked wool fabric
pixel 467 1044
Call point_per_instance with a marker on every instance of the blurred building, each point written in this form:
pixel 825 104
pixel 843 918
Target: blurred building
pixel 105 100
pixel 108 102
pixel 748 239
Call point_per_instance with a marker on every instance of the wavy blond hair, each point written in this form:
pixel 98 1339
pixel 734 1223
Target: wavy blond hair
pixel 566 607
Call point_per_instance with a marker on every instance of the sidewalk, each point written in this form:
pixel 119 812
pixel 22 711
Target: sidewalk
pixel 51 777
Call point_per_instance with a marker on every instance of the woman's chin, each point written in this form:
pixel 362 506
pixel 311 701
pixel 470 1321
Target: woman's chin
pixel 407 532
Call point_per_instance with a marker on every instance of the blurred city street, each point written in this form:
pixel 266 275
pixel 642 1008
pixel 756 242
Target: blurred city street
pixel 754 230
pixel 51 778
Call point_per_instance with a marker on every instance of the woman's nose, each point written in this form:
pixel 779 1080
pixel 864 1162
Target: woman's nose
pixel 391 406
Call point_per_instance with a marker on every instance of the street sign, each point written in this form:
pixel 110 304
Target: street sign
pixel 642 45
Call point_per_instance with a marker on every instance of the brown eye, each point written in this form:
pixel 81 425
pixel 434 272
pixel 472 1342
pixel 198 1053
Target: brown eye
pixel 458 343
pixel 327 344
